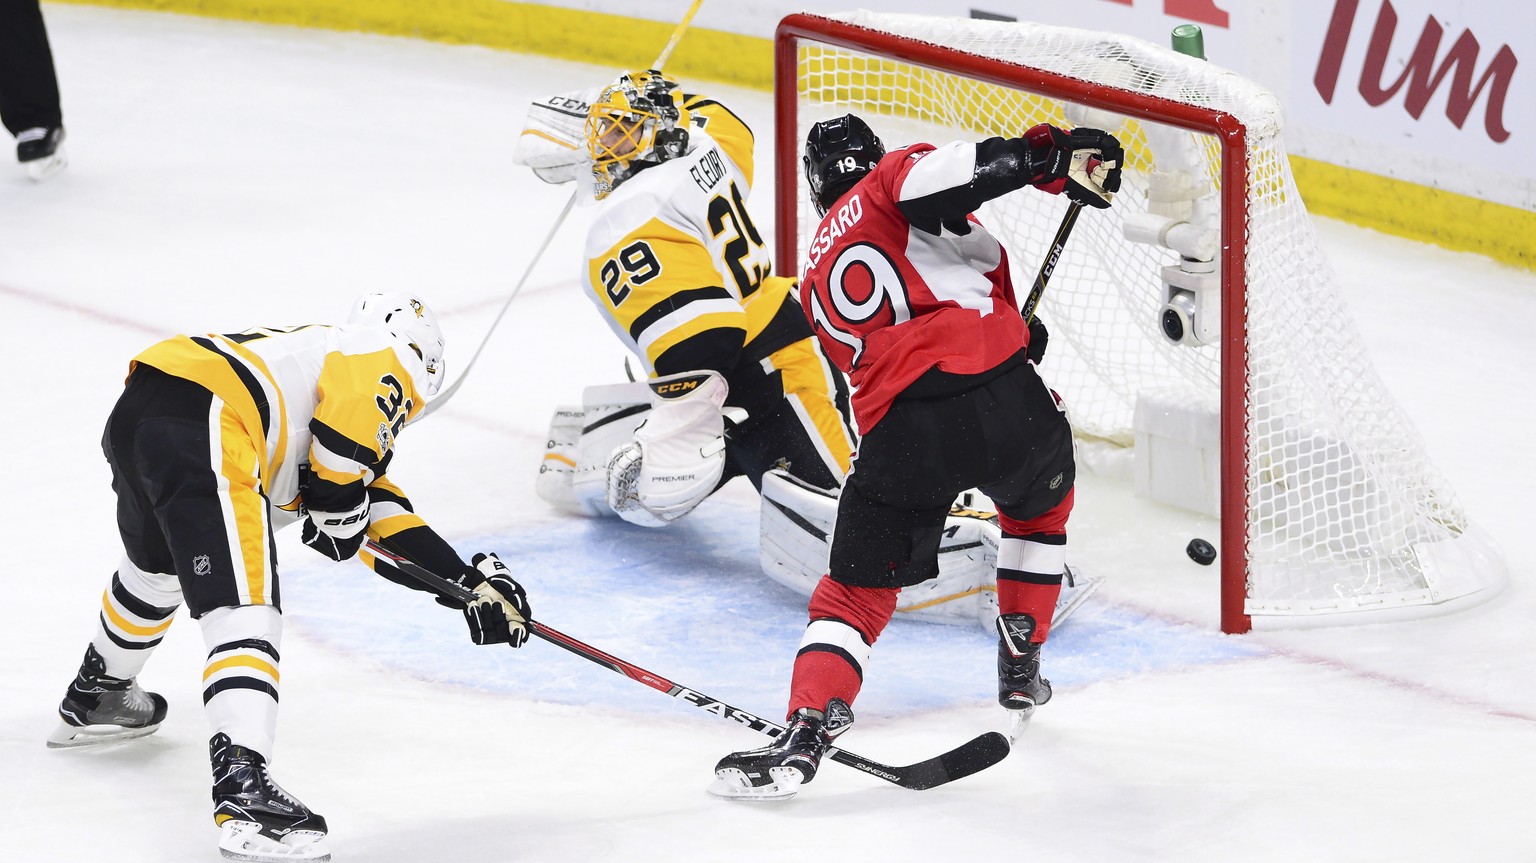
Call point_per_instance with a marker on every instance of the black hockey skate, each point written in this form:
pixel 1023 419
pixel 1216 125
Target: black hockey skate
pixel 101 709
pixel 1019 684
pixel 776 771
pixel 40 151
pixel 260 821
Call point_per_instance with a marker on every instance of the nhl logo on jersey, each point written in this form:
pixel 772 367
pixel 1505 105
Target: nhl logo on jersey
pixel 201 565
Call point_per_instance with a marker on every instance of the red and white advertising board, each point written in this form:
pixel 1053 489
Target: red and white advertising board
pixel 1436 92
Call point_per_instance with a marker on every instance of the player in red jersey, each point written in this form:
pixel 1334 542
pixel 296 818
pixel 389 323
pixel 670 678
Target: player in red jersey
pixel 910 295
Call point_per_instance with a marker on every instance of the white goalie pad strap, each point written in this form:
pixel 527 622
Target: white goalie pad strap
pixel 1022 555
pixel 554 141
pixel 842 638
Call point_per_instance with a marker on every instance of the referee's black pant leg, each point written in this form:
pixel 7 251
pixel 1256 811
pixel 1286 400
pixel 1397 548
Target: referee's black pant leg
pixel 29 88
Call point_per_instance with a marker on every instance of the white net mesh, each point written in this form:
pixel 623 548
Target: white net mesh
pixel 1345 511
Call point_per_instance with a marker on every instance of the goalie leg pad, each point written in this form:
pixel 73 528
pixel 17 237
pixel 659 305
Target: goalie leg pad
pixel 796 524
pixel 573 474
pixel 557 471
pixel 613 413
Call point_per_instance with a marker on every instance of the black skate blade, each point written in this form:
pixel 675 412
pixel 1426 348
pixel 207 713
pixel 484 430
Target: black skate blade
pixel 973 756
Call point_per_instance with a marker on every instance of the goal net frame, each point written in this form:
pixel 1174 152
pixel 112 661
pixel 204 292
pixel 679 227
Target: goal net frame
pixel 1232 136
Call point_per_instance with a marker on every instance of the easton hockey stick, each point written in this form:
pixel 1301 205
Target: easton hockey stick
pixel 1048 266
pixel 970 757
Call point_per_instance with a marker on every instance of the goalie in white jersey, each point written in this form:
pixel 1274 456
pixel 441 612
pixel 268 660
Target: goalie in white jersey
pixel 677 267
pixel 736 383
pixel 217 442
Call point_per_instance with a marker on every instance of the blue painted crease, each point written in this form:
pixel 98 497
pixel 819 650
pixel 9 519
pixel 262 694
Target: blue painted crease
pixel 689 603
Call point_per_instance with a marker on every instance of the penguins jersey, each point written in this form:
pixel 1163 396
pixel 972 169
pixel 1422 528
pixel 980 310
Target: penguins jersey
pixel 676 265
pixel 323 405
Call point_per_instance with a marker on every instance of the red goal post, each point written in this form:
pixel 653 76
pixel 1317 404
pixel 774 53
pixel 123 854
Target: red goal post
pixel 1292 552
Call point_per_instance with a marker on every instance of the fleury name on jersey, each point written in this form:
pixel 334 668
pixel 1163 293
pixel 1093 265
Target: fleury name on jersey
pixel 676 267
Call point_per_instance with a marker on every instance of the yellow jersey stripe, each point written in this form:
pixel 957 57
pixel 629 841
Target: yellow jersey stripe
pixel 275 449
pixel 246 504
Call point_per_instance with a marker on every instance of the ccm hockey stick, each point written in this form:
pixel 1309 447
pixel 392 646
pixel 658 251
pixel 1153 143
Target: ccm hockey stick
pixel 970 757
pixel 1048 266
pixel 443 397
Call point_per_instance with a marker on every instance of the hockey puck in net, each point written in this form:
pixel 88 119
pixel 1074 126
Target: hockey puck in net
pixel 1201 552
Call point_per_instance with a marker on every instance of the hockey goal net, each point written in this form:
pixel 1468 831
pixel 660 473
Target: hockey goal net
pixel 1330 511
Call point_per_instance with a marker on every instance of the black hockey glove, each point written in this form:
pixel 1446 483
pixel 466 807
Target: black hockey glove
pixel 501 613
pixel 1083 163
pixel 1038 337
pixel 333 547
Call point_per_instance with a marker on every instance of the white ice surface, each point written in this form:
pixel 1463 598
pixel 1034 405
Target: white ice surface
pixel 224 175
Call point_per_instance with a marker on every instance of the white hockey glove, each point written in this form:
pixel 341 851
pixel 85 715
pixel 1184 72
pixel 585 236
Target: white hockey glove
pixel 677 456
pixel 500 613
pixel 338 536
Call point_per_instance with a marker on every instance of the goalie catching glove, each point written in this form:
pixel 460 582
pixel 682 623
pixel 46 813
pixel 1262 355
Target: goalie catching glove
pixel 678 454
pixel 500 612
pixel 1083 163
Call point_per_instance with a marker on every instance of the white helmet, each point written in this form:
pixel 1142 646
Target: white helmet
pixel 408 319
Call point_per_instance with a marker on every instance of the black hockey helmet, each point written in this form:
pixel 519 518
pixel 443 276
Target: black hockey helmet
pixel 838 153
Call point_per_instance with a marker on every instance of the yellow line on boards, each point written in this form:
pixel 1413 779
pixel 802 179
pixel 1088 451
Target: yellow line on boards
pixel 1459 222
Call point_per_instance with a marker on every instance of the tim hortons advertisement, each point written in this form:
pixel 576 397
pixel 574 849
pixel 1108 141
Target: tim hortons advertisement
pixel 1429 91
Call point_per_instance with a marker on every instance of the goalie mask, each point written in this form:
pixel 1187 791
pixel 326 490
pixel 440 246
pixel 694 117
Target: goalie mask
pixel 838 153
pixel 634 122
pixel 409 320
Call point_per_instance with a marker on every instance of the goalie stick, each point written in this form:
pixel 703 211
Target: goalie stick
pixel 443 397
pixel 973 756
